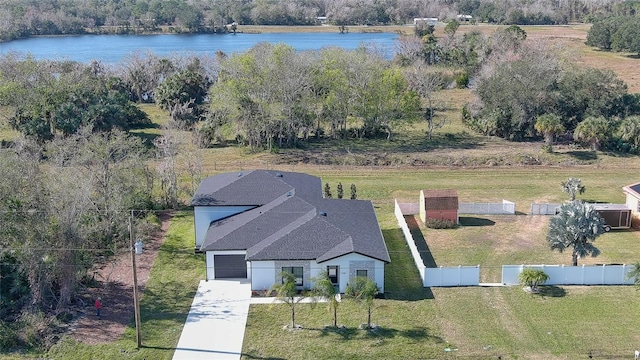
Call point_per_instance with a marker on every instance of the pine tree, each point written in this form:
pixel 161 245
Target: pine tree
pixel 327 191
pixel 340 191
pixel 353 192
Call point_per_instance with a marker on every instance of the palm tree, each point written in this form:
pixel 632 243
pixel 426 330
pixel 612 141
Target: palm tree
pixel 629 131
pixel 532 278
pixel 324 288
pixel 573 186
pixel 634 274
pixel 287 292
pixel 363 290
pixel 576 225
pixel 549 125
pixel 593 131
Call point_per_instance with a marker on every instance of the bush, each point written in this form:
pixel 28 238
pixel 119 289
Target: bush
pixel 462 80
pixel 440 224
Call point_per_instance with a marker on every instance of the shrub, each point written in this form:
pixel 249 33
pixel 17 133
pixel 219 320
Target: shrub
pixel 440 224
pixel 462 80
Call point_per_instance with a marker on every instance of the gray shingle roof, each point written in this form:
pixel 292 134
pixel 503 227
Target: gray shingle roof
pixel 257 187
pixel 290 222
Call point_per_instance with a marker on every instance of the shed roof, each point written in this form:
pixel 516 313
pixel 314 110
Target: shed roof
pixel 440 199
pixel 633 189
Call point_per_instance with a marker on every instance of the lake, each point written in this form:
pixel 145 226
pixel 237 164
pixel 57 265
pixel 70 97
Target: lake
pixel 111 49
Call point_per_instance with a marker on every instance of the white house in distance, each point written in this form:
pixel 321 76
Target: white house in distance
pixel 429 21
pixel 256 224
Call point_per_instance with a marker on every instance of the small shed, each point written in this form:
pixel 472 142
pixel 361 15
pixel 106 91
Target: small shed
pixel 439 204
pixel 616 216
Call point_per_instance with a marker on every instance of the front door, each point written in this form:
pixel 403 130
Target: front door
pixel 333 276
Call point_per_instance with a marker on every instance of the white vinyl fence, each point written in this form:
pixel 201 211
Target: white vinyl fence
pixel 452 276
pixel 441 276
pixel 504 208
pixel 409 208
pixel 573 275
pixel 417 259
pixel 544 209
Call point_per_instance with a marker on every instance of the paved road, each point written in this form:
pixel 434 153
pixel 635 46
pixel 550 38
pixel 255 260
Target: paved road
pixel 216 322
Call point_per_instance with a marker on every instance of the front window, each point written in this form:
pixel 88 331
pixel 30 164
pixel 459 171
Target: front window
pixel 297 272
pixel 361 273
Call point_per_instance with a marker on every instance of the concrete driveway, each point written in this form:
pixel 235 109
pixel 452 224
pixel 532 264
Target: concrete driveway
pixel 215 326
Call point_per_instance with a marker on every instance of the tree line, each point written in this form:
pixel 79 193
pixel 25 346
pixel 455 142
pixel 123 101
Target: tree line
pixel 70 181
pixel 20 19
pixel 616 33
pixel 534 91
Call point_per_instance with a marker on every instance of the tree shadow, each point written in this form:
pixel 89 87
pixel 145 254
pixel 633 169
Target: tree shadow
pixel 584 155
pixel 551 291
pixel 344 332
pixel 250 355
pixel 147 138
pixel 633 56
pixel 475 221
pixel 414 334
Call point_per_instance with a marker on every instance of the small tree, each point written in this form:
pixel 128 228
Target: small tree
pixel 353 192
pixel 576 225
pixel 572 187
pixel 363 290
pixel 634 274
pixel 327 191
pixel 287 292
pixel 340 191
pixel 549 125
pixel 324 288
pixel 594 131
pixel 532 278
pixel 451 28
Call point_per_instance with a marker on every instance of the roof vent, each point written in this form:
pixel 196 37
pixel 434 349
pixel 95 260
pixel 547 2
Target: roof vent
pixel 290 193
pixel 240 174
pixel 278 174
pixel 322 213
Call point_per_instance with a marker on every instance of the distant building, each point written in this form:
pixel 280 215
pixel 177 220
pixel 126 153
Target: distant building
pixel 321 19
pixel 463 18
pixel 428 21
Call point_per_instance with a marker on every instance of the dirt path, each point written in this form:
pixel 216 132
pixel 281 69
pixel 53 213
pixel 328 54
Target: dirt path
pixel 116 291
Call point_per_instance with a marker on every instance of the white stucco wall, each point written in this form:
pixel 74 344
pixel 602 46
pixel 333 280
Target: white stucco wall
pixel 211 274
pixel 632 203
pixel 204 215
pixel 264 273
pixel 347 266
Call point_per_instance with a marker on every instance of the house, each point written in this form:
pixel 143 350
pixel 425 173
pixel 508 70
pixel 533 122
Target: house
pixel 428 21
pixel 256 224
pixel 632 193
pixel 441 204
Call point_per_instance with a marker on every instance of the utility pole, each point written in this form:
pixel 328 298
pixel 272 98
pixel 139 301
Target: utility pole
pixel 136 304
